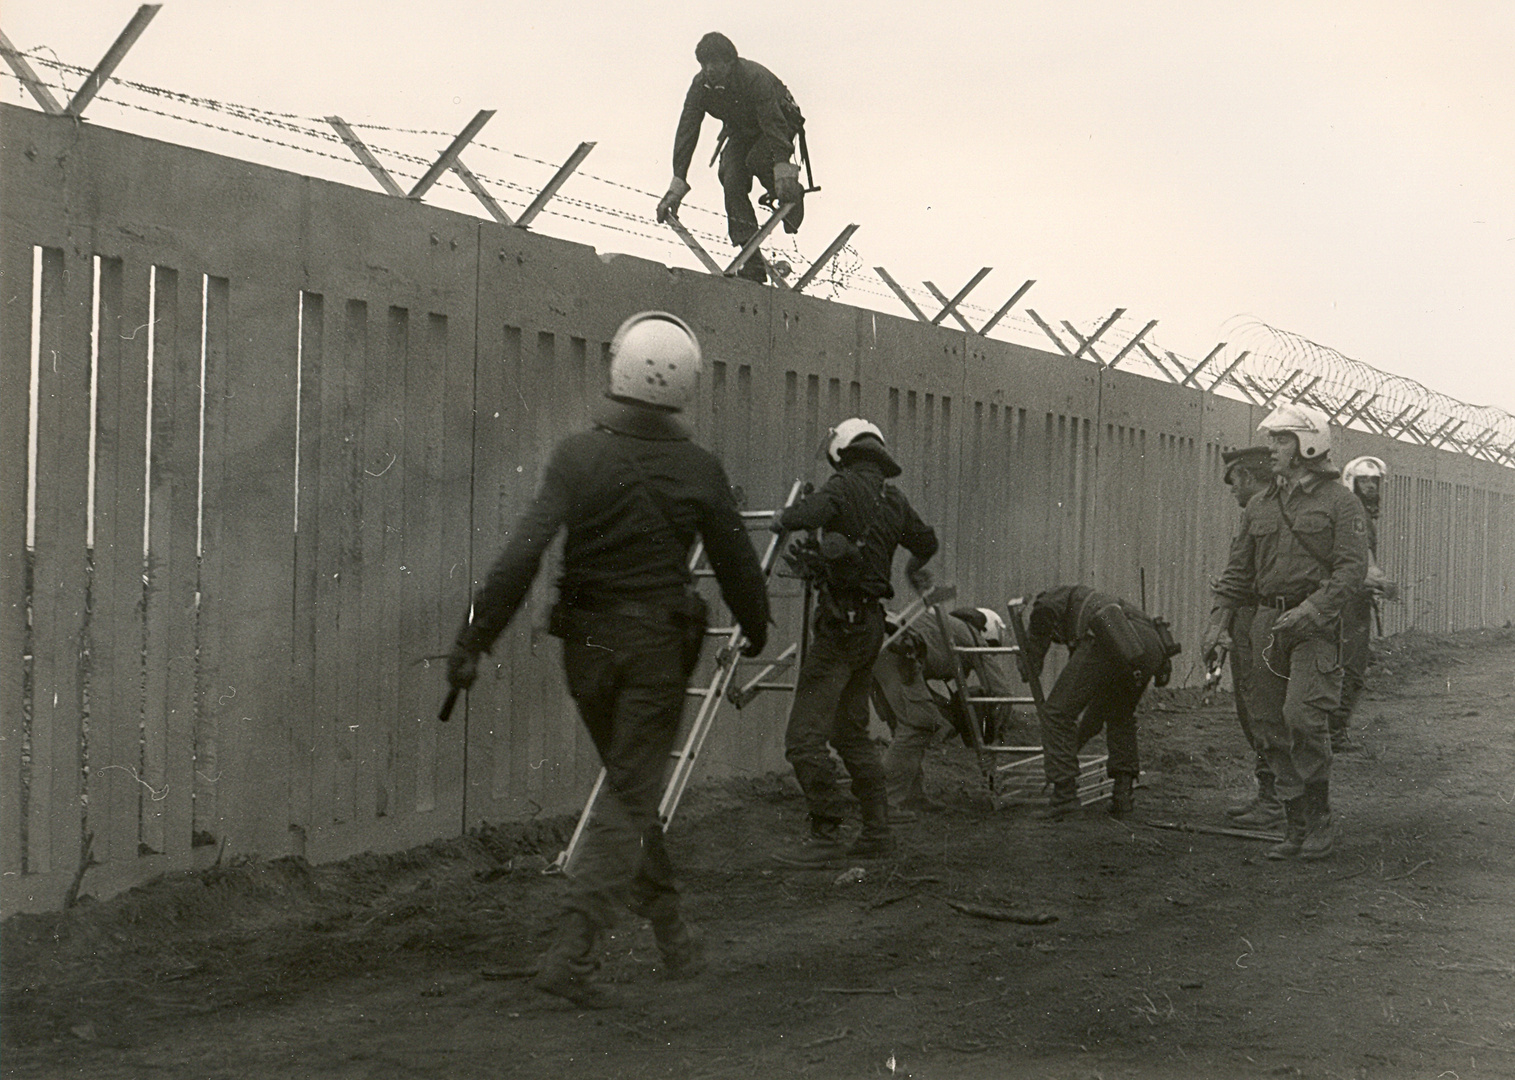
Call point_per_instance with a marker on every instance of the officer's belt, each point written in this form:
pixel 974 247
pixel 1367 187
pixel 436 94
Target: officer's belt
pixel 657 608
pixel 1283 601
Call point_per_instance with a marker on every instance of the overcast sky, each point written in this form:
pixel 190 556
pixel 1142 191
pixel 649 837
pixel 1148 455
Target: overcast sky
pixel 1345 171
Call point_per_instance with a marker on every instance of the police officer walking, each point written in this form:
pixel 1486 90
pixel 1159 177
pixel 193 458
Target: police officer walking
pixel 1114 651
pixel 633 492
pixel 1363 477
pixel 760 122
pixel 1302 553
pixel 861 519
pixel 1249 471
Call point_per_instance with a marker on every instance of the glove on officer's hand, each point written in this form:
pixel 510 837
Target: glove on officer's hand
pixel 918 576
pixel 668 205
pixel 1305 616
pixel 788 189
pixel 756 642
pixel 1216 634
pixel 462 667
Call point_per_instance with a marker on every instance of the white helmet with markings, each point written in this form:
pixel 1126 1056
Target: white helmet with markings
pixel 994 626
pixel 859 434
pixel 1311 426
pixel 655 360
pixel 1358 467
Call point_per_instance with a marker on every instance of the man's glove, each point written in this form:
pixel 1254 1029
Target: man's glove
pixel 1217 636
pixel 918 576
pixel 1376 582
pixel 756 642
pixel 788 189
pixel 1306 615
pixel 462 667
pixel 668 205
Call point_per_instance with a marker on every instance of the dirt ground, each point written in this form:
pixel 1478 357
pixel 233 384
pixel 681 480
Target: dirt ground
pixel 1173 954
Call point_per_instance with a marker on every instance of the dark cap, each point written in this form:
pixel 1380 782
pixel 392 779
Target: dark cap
pixel 869 447
pixel 1245 456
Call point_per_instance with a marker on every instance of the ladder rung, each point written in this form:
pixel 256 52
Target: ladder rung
pixel 986 648
pixel 750 514
pixel 1001 701
pixel 718 631
pixel 701 571
pixel 772 686
pixel 1013 749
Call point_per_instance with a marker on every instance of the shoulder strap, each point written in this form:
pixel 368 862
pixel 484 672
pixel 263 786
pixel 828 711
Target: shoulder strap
pixel 1317 556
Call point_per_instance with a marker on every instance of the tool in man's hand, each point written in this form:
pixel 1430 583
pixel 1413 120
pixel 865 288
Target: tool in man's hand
pixel 445 712
pixel 1213 673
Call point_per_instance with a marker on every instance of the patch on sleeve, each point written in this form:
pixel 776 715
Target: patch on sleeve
pixel 1360 526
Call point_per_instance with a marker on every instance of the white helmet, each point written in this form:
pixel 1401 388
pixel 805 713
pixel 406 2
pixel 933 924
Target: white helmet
pixel 860 433
pixel 655 359
pixel 994 626
pixel 1312 427
pixel 1362 466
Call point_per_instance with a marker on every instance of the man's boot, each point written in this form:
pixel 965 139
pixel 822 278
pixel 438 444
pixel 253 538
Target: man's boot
pixel 1320 830
pixel 681 948
pixel 1122 801
pixel 754 269
pixel 567 970
pixel 875 841
pixel 1266 811
pixel 821 848
pixel 1294 830
pixel 1062 802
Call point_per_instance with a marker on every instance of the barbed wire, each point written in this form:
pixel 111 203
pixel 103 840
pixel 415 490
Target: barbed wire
pixel 1353 391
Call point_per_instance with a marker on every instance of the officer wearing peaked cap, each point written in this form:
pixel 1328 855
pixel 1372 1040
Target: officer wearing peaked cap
pixel 1248 471
pixel 1302 552
pixel 631 494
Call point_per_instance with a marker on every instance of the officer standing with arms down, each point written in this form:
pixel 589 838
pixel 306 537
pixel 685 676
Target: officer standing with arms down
pixel 760 122
pixel 860 520
pixel 1114 650
pixel 1302 552
pixel 1363 477
pixel 632 493
pixel 1249 471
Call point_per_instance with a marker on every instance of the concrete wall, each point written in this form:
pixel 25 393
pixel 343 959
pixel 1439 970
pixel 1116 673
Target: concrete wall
pixel 351 399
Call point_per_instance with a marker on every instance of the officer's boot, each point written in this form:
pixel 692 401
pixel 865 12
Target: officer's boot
pixel 1264 813
pixel 681 948
pixel 1294 830
pixel 1122 801
pixel 821 848
pixel 754 269
pixel 567 970
pixel 1062 802
pixel 1320 830
pixel 875 841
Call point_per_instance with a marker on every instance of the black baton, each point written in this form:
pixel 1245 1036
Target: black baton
pixel 445 712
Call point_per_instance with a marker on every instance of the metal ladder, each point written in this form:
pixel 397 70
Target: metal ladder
pixel 710 692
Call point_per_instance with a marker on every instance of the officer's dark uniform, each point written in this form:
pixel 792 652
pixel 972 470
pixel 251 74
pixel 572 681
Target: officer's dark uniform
pixel 831 691
pixel 761 121
pixel 632 494
pixel 1097 689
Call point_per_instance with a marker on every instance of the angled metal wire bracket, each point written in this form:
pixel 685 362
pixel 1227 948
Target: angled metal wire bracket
pixel 1197 368
pixel 1087 344
pixel 949 307
pixel 901 293
pixel 450 155
pixel 111 60
pixel 1005 308
pixel 1051 333
pixel 480 192
pixel 1133 343
pixel 694 245
pixel 826 256
pixel 558 179
pixel 34 85
pixel 1224 375
pixel 364 155
pixel 751 246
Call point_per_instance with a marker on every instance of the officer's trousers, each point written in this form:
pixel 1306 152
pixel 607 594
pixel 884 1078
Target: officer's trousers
pixel 745 156
pixel 1095 690
pixel 627 676
pixel 831 706
pixel 907 706
pixel 1241 683
pixel 1296 684
pixel 1356 632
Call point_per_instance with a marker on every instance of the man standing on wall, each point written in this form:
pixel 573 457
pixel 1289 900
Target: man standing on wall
pixel 760 123
pixel 1302 553
pixel 1249 472
pixel 906 705
pixel 1363 477
pixel 633 492
pixel 858 520
pixel 1114 650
